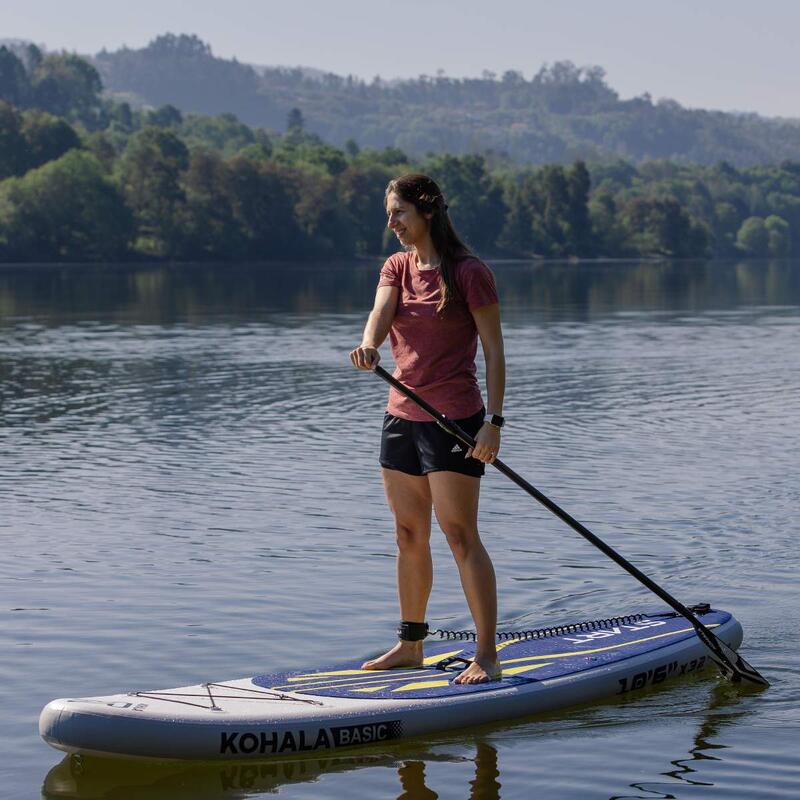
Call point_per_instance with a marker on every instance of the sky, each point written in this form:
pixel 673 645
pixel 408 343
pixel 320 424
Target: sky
pixel 733 55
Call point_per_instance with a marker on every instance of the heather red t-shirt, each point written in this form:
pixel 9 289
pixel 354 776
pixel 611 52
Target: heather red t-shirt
pixel 435 353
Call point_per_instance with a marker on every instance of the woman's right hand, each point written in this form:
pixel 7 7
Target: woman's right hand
pixel 365 357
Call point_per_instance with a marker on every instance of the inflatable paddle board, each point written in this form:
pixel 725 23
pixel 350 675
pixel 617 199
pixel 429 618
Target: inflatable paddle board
pixel 339 706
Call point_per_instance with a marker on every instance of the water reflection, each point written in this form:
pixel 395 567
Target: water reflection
pixel 687 771
pixel 86 777
pixel 161 294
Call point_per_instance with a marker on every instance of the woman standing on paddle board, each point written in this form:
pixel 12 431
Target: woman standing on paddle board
pixel 434 300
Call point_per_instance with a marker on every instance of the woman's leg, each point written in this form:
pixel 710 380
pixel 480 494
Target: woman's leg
pixel 409 499
pixel 455 501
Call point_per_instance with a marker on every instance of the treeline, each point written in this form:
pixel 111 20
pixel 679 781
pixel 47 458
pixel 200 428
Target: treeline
pixel 98 180
pixel 560 114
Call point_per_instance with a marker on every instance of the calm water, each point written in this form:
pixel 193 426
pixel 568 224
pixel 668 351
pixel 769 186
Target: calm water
pixel 189 488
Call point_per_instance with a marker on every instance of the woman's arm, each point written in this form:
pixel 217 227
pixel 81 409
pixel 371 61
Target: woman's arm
pixel 366 355
pixel 487 321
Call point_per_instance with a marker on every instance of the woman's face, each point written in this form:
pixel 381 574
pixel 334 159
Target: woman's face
pixel 407 224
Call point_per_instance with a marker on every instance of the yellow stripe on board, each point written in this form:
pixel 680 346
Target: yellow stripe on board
pixel 435 659
pixel 374 677
pixel 339 672
pixel 421 685
pixel 526 668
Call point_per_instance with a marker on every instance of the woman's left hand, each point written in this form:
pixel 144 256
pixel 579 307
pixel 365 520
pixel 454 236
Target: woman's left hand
pixel 487 444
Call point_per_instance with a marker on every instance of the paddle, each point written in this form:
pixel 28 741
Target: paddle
pixel 729 662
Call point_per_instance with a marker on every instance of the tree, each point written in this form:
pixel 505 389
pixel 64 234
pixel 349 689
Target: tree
pixel 13 148
pixel 361 189
pixel 660 226
pixel 208 228
pixel 68 86
pixel 556 196
pixel 351 148
pixel 609 234
pixel 47 137
pixel 167 116
pixel 753 237
pixel 223 132
pixel 295 123
pixel 579 225
pixel 779 238
pixel 122 116
pixel 150 172
pixel 66 210
pixel 14 84
pixel 262 201
pixel 322 219
pixel 725 221
pixel 474 198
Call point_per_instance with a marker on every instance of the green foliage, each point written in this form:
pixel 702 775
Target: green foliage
pixel 361 189
pixel 561 114
pixel 165 184
pixel 182 71
pixel 14 85
pixel 549 213
pixel 779 237
pixel 66 210
pixel 474 198
pixel 310 154
pixel 662 227
pixel 46 138
pixel 165 117
pixel 262 199
pixel 207 228
pixel 223 133
pixel 150 172
pixel 322 218
pixel 753 238
pixel 68 86
pixel 13 147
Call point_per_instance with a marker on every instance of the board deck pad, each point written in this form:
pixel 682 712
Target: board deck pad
pixel 523 661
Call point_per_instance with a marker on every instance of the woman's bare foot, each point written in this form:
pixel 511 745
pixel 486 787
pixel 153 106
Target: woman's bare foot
pixel 403 654
pixel 480 670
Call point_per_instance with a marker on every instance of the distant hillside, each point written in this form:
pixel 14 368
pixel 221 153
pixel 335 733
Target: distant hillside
pixel 564 112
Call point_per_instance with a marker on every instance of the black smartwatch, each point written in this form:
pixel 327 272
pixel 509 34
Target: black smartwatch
pixel 496 420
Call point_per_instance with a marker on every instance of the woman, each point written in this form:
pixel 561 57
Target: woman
pixel 435 299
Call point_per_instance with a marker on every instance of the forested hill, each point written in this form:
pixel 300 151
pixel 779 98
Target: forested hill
pixel 562 113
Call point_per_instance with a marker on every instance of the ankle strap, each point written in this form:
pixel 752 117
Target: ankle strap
pixel 412 631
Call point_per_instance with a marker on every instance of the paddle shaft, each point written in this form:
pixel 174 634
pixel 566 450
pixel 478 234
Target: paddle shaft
pixel 714 644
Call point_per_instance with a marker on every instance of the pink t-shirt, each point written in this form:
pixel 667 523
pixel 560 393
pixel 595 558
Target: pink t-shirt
pixel 435 353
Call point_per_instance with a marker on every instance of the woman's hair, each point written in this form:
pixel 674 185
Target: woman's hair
pixel 424 194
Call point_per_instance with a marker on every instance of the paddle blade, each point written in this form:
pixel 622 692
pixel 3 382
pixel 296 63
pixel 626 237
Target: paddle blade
pixel 730 663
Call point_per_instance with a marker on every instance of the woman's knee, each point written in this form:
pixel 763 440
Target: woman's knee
pixel 411 538
pixel 462 539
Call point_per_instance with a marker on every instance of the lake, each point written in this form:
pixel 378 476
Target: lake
pixel 189 491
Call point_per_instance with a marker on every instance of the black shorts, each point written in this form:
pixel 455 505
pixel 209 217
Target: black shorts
pixel 418 448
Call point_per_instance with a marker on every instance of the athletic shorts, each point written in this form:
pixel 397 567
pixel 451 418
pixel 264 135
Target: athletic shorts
pixel 418 448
